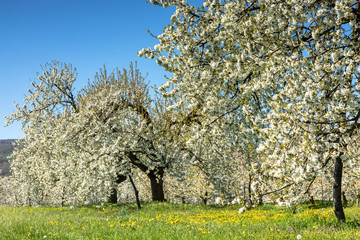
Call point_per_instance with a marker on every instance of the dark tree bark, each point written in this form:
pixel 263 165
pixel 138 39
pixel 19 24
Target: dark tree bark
pixel 338 207
pixel 312 201
pixel 136 192
pixel 155 176
pixel 261 202
pixel 249 187
pixel 113 195
pixel 205 198
pixel 157 184
pixel 345 201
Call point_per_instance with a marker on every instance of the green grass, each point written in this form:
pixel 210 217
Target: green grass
pixel 172 221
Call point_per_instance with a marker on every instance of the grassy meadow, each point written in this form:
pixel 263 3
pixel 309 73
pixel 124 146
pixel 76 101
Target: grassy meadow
pixel 174 221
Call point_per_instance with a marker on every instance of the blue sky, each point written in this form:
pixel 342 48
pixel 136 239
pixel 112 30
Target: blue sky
pixel 86 34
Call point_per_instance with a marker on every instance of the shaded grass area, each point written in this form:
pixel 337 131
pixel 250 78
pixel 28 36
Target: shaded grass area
pixel 173 221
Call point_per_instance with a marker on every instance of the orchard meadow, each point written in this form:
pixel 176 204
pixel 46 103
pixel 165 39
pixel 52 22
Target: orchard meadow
pixel 254 135
pixel 177 221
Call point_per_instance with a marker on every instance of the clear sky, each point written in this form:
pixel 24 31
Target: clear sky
pixel 85 33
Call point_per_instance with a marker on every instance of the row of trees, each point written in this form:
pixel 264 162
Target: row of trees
pixel 271 87
pixel 79 148
pixel 290 68
pixel 93 139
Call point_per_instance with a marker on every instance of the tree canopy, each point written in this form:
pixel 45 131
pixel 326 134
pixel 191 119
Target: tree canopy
pixel 290 67
pixel 264 87
pixel 81 146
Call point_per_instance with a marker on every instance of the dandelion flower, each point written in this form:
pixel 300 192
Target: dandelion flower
pixel 298 236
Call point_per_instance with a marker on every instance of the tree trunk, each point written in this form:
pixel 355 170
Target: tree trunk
pixel 312 201
pixel 136 192
pixel 157 184
pixel 345 202
pixel 261 202
pixel 249 187
pixel 155 176
pixel 205 198
pixel 113 194
pixel 338 207
pixel 322 192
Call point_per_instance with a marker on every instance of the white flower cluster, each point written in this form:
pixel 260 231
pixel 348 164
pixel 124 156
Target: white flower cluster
pixel 287 71
pixel 76 147
pixel 264 97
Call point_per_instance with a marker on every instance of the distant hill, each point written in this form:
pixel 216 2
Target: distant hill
pixel 6 148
